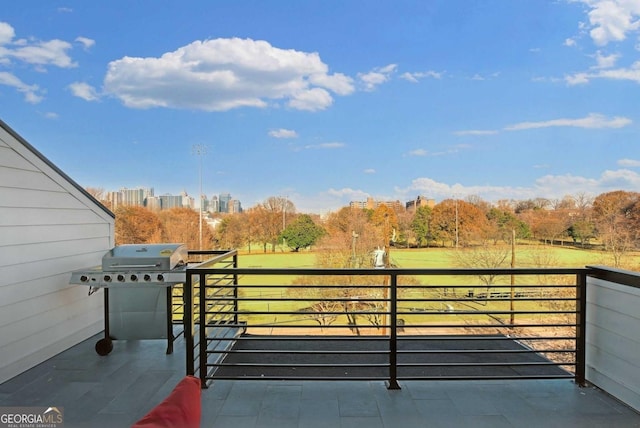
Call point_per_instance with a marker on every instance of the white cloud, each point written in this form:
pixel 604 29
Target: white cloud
pixel 51 115
pixel 338 82
pixel 605 61
pixel 84 91
pixel 7 33
pixel 348 192
pixel 369 171
pixel 548 186
pixel 418 152
pixel 223 74
pixel 592 121
pixel 37 53
pixel 631 163
pixel 30 92
pixel 377 76
pixel 311 100
pixel 612 20
pixel 283 133
pixel 632 74
pixel 87 43
pixel 569 42
pixel 51 52
pixel 334 145
pixel 415 77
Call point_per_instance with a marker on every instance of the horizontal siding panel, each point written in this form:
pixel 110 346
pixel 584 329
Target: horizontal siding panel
pixel 614 297
pixel 27 180
pixel 15 294
pixel 73 337
pixel 45 251
pixel 47 342
pixel 46 271
pixel 615 354
pixel 24 198
pixel 11 159
pixel 613 375
pixel 34 234
pixel 14 216
pixel 50 311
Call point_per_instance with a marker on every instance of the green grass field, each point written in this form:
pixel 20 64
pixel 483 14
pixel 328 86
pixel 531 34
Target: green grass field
pixel 526 256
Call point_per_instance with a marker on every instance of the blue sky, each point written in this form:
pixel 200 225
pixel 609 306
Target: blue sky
pixel 330 101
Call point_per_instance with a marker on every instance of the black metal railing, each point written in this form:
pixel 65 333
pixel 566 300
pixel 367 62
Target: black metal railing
pixel 383 324
pixel 204 316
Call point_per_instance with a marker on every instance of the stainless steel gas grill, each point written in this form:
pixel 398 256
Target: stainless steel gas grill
pixel 138 282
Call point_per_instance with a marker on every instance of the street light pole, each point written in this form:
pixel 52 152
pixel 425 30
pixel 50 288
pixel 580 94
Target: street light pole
pixel 199 150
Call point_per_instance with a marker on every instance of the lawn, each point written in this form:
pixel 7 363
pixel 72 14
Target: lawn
pixel 526 256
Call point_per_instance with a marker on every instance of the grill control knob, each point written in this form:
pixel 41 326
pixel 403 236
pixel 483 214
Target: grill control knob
pixel 84 278
pixel 160 277
pixel 134 278
pixel 147 277
pixel 121 278
pixel 107 278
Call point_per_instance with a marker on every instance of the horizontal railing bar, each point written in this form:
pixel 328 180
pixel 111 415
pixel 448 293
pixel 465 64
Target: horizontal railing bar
pixel 390 271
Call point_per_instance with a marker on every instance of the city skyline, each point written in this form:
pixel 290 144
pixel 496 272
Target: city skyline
pixel 329 104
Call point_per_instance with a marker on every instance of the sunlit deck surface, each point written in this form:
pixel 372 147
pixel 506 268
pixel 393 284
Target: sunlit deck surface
pixel 118 389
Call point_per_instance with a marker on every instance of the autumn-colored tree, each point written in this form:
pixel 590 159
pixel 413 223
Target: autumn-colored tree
pixel 231 232
pixel 137 225
pixel 458 221
pixel 613 214
pixel 350 240
pixel 181 225
pixel 275 212
pixel 385 222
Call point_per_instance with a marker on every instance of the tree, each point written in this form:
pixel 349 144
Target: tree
pixel 613 214
pixel 458 221
pixel 182 225
pixel 137 225
pixel 275 213
pixel 385 222
pixel 502 223
pixel 302 233
pixel 231 231
pixel 421 226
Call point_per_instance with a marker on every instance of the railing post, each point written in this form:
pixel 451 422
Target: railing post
pixel 235 289
pixel 202 285
pixel 581 323
pixel 187 322
pixel 393 336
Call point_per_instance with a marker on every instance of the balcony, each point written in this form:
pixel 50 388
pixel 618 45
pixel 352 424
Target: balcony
pixel 409 353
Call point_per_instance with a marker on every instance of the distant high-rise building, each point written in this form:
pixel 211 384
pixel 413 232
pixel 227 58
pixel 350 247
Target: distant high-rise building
pixel 234 206
pixel 223 200
pixel 214 205
pixel 420 201
pixel 135 197
pixel 372 204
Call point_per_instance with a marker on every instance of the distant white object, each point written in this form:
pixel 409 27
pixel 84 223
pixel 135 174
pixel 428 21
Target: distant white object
pixel 378 258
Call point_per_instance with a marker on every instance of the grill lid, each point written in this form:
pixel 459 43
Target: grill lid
pixel 151 257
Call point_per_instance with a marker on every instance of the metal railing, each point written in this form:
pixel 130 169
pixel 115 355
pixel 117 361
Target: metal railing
pixel 384 324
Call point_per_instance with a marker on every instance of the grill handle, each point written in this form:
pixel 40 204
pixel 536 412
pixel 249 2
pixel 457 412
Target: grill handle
pixel 136 266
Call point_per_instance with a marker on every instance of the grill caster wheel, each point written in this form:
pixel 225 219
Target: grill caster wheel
pixel 104 346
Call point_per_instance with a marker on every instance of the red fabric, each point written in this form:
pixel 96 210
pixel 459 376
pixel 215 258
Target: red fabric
pixel 181 409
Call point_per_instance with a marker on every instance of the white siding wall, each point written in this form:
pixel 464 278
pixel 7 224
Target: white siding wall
pixel 613 339
pixel 48 228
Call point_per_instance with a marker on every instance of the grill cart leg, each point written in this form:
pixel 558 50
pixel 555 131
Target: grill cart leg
pixel 169 320
pixel 105 346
